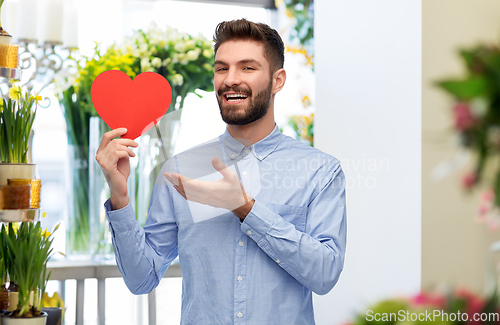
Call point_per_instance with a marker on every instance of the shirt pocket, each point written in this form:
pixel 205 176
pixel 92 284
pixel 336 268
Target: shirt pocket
pixel 294 214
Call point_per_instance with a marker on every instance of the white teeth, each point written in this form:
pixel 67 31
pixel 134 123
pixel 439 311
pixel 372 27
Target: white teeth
pixel 229 96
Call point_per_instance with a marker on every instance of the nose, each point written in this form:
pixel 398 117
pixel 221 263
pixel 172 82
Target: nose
pixel 232 78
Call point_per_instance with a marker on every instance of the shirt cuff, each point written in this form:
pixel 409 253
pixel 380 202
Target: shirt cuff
pixel 259 221
pixel 122 220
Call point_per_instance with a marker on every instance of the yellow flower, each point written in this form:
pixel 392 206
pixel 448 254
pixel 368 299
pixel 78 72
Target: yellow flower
pixel 15 93
pixel 54 301
pixel 36 97
pixel 306 101
pixel 46 233
pixel 15 227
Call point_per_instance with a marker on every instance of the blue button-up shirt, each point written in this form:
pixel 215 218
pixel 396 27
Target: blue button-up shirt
pixel 259 271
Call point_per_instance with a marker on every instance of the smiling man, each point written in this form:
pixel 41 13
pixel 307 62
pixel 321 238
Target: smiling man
pixel 257 219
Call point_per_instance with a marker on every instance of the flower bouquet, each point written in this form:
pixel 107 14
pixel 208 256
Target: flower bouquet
pixel 185 61
pixel 476 117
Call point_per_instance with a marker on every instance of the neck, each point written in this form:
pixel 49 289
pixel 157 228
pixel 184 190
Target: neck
pixel 249 134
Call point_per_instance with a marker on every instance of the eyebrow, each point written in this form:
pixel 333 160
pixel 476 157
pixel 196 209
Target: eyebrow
pixel 239 62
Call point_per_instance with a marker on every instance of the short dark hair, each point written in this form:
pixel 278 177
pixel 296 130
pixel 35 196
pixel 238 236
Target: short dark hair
pixel 242 29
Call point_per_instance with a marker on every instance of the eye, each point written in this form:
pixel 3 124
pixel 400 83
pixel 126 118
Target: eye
pixel 248 68
pixel 220 69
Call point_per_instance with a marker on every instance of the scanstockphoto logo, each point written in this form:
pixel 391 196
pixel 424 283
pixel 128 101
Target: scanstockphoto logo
pixel 295 173
pixel 430 316
pixel 365 172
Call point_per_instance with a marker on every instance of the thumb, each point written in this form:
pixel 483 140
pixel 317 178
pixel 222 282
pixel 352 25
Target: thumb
pixel 221 167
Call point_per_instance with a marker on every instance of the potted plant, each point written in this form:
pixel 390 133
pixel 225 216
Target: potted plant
pixel 8 289
pixel 17 114
pixel 27 251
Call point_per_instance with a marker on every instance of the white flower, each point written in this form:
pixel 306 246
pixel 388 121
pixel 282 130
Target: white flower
pixel 135 52
pixel 166 62
pixel 145 64
pixel 175 58
pixel 63 80
pixel 193 55
pixel 207 53
pixel 479 106
pixel 180 46
pixel 143 47
pixel 177 80
pixel 183 58
pixel 153 26
pixel 156 62
pixel 190 44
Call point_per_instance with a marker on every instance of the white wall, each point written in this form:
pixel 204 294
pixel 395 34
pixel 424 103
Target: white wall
pixel 368 70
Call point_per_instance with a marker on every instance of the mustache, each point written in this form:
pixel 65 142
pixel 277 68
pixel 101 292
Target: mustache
pixel 224 89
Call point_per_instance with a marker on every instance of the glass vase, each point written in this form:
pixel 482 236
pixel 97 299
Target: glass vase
pixel 100 236
pixel 155 147
pixel 77 218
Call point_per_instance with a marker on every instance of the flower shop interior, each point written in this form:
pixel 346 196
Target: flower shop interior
pixel 401 92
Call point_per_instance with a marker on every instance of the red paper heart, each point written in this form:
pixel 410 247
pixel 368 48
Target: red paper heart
pixel 136 105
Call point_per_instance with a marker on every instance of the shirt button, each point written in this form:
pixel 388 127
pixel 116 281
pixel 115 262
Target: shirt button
pixel 244 173
pixel 240 314
pixel 278 261
pixel 260 157
pixel 247 151
pixel 241 243
pixel 240 278
pixel 249 232
pixel 233 155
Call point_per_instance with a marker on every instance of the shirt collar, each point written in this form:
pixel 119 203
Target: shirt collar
pixel 260 150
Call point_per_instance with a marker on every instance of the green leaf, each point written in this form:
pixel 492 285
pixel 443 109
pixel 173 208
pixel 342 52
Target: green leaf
pixel 466 89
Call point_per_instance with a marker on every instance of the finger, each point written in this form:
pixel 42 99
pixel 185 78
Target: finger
pixel 171 178
pixel 176 178
pixel 108 136
pixel 123 145
pixel 127 150
pixel 180 192
pixel 181 186
pixel 125 142
pixel 114 153
pixel 222 168
pixel 109 161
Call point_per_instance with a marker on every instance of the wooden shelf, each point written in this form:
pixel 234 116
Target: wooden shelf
pixel 20 215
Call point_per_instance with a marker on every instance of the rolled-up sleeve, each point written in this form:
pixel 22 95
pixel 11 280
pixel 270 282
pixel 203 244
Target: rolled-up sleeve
pixel 144 254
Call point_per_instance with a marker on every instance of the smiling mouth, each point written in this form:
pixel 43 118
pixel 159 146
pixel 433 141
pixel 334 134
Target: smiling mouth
pixel 235 97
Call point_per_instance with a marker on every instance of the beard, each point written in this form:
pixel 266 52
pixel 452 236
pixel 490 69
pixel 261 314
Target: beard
pixel 256 107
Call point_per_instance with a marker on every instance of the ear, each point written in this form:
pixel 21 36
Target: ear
pixel 279 78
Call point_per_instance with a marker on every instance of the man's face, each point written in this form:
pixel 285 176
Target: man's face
pixel 242 81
